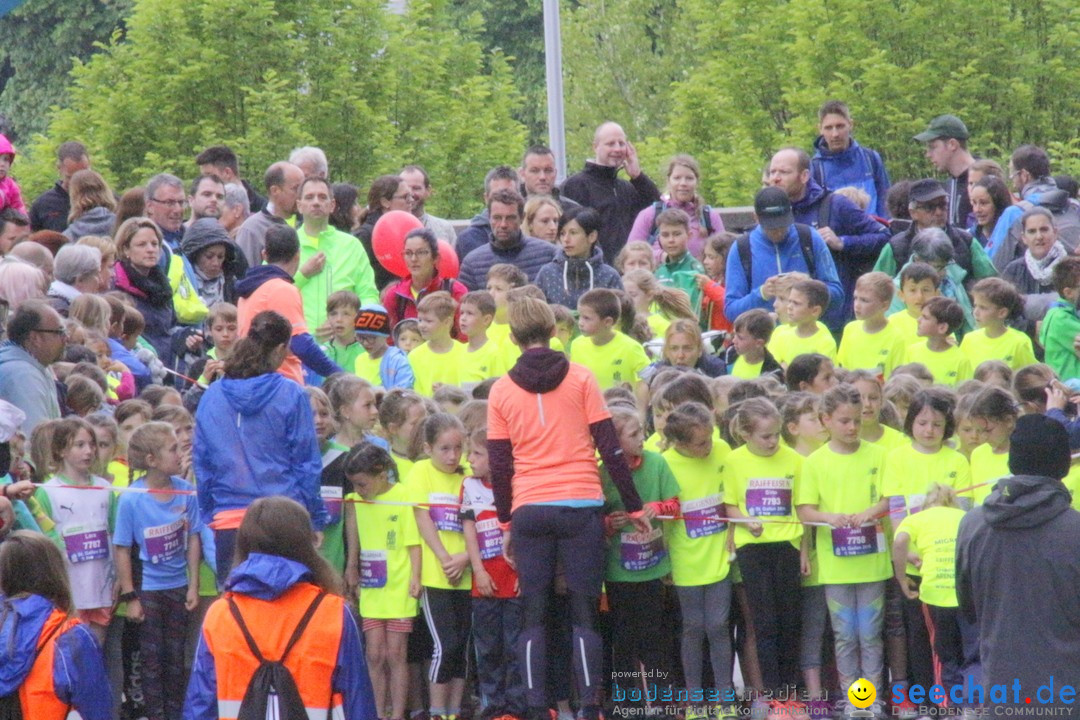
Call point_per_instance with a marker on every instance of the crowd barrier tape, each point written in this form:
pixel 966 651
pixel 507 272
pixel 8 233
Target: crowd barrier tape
pixel 399 503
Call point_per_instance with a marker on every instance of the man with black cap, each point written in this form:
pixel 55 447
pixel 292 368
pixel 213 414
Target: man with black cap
pixel 946 147
pixel 775 246
pixel 1018 571
pixel 929 207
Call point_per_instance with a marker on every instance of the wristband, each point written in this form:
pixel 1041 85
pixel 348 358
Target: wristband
pixel 128 596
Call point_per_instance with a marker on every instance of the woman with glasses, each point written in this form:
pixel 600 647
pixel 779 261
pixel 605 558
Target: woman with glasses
pixel 422 260
pixel 388 192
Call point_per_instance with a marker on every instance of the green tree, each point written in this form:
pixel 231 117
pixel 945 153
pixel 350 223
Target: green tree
pixel 39 40
pixel 372 89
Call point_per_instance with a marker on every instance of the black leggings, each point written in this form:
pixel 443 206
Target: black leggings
pixel 771 579
pixel 448 616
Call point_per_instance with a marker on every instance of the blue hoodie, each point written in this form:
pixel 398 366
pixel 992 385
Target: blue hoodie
pixel 254 438
pixel 771 259
pixel 863 238
pixel 854 167
pixel 267 577
pixel 79 677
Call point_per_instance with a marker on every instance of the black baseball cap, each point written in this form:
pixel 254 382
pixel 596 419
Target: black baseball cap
pixel 773 209
pixel 924 191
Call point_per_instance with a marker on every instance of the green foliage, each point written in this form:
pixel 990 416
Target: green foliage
pixel 39 40
pixel 763 67
pixel 372 89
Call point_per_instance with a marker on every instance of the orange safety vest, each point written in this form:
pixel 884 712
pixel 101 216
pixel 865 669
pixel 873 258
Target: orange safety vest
pixel 37 695
pixel 271 622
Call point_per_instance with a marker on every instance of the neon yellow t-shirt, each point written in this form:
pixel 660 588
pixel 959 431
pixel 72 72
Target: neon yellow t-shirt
pixel 404 466
pixel 1072 483
pixel 988 467
pixel 617 361
pixel 698 543
pixel 910 473
pixel 745 370
pixel 509 352
pixel 653 442
pixel 483 363
pixel 430 368
pixel 878 352
pixel 933 537
pixel 846 484
pixel 427 484
pixel 386 533
pixel 907 324
pixel 790 345
pixel 764 487
pixel 658 324
pixel 1013 348
pixel 367 368
pixel 891 438
pixel 499 333
pixel 949 367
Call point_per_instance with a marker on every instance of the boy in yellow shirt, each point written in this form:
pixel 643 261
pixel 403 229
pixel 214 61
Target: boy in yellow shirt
pixel 869 341
pixel 436 362
pixel 613 357
pixel 482 358
pixel 782 284
pixel 996 301
pixel 918 283
pixel 501 279
pixel 753 329
pixel 807 301
pixel 940 318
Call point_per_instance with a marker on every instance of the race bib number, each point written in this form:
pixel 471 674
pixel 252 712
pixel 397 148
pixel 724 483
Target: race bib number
pixel 768 497
pixel 372 569
pixel 490 538
pixel 84 544
pixel 702 517
pixel 852 542
pixel 447 519
pixel 641 551
pixel 332 497
pixel 165 542
pixel 900 506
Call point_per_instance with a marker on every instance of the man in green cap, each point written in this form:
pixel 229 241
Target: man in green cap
pixel 946 147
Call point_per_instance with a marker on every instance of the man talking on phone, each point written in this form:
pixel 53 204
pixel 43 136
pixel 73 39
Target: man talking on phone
pixel 776 245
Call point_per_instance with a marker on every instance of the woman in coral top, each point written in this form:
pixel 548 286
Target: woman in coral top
pixel 546 421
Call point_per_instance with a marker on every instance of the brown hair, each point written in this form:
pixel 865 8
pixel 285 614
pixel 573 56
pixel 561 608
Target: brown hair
pixel 440 304
pixel 128 230
pixel 30 564
pixel 878 283
pixel 64 434
pixel 89 190
pixel 279 526
pixel 531 321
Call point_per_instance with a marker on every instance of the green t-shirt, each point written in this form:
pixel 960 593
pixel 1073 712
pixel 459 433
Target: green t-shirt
pixel 631 557
pixel 344 355
pixel 333 490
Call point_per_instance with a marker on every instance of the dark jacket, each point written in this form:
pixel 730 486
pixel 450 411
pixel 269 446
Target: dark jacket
pixel 855 166
pixel 201 235
pixel 862 235
pixel 618 202
pixel 476 235
pixel 50 210
pixel 564 279
pixel 527 253
pixel 1018 576
pixel 1038 297
pixel 256 201
pixel 383 277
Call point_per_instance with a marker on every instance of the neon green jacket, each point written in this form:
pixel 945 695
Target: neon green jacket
pixel 347 268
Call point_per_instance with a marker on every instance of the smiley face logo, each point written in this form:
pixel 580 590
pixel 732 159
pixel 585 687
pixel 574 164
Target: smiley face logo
pixel 862 693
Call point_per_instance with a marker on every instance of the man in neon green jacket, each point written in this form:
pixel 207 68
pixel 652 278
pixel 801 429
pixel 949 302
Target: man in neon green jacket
pixel 330 260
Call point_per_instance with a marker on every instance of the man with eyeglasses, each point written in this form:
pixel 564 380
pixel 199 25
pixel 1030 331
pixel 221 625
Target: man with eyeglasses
pixel 165 204
pixel 946 147
pixel 928 204
pixel 36 338
pixel 1029 173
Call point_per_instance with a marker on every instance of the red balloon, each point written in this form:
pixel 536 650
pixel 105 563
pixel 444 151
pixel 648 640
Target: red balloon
pixel 448 260
pixel 388 239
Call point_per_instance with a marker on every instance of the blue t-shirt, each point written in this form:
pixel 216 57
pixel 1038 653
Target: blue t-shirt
pixel 160 530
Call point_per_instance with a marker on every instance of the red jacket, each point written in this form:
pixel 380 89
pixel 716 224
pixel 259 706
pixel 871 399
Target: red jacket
pixel 712 303
pixel 400 304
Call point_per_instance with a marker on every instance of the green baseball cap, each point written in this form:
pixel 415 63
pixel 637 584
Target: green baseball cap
pixel 944 126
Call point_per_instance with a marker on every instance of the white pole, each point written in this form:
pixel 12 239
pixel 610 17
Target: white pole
pixel 553 61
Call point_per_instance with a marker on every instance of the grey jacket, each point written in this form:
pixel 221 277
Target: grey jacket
pixel 96 221
pixel 527 253
pixel 28 385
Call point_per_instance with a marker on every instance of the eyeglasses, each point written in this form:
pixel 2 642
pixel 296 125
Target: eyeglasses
pixel 62 332
pixel 411 254
pixel 169 203
pixel 931 206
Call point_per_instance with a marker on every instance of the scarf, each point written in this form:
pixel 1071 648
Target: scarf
pixel 1040 270
pixel 210 291
pixel 153 287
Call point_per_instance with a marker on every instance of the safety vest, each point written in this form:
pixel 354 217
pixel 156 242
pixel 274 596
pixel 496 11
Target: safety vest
pixel 37 695
pixel 189 307
pixel 271 622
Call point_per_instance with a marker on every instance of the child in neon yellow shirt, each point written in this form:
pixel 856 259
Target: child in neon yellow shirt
pixel 438 360
pixel 869 341
pixel 997 301
pixel 753 330
pixel 940 318
pixel 482 358
pixel 501 279
pixel 918 283
pixel 872 429
pixel 807 301
pixel 994 412
pixel 614 358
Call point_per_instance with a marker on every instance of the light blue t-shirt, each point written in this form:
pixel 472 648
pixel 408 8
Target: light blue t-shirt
pixel 161 531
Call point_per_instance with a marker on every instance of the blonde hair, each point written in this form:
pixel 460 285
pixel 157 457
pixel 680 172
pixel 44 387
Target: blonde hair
pixel 682 326
pixel 531 321
pixel 147 440
pixel 532 207
pixel 635 246
pixel 860 197
pixel 129 229
pixel 938 495
pixel 92 311
pixel 688 162
pixel 878 283
pixel 440 304
pixel 672 302
pixel 105 246
pixel 344 391
pixel 89 190
pixel 748 412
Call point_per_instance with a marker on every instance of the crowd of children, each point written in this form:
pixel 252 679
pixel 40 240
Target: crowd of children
pixel 805 488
